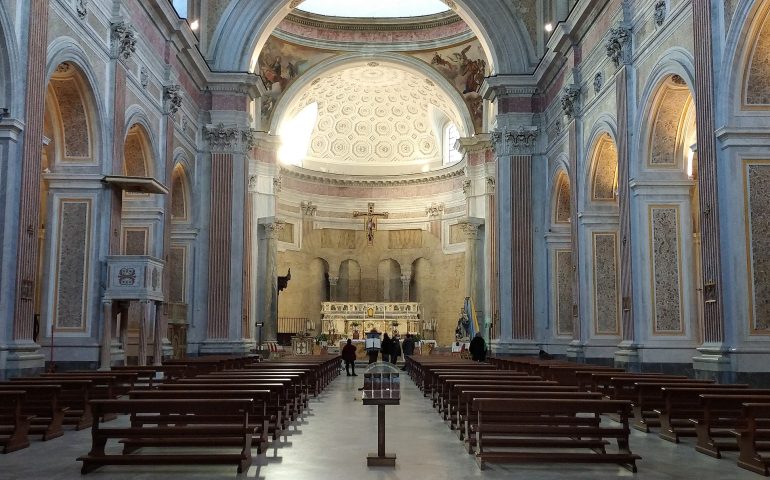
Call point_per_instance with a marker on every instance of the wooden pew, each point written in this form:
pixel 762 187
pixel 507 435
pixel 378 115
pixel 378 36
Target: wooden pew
pixel 122 382
pixel 184 431
pixel 444 398
pixel 14 425
pixel 647 396
pixel 682 406
pixel 722 416
pixel 42 406
pixel 751 437
pixel 259 418
pixel 602 381
pixel 538 426
pixel 74 397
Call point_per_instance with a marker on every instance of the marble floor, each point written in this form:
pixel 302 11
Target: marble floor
pixel 333 438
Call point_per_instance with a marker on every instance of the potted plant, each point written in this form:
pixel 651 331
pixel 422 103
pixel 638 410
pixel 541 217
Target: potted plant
pixel 322 339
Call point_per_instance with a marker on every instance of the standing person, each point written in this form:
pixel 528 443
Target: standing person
pixel 408 347
pixel 395 350
pixel 349 356
pixel 387 344
pixel 478 348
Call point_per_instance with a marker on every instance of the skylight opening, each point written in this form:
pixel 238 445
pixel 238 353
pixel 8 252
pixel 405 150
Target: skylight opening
pixel 295 136
pixel 373 8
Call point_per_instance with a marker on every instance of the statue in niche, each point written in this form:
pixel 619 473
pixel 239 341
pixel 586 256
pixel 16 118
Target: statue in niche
pixel 462 331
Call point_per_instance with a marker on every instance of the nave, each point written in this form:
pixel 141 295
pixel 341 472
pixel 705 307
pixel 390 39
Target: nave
pixel 334 435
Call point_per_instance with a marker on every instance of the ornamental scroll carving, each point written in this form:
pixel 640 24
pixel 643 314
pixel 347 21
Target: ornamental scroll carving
pixel 570 101
pixel 660 12
pixel 511 142
pixel 123 40
pixel 229 139
pixel 82 9
pixel 617 44
pixel 172 94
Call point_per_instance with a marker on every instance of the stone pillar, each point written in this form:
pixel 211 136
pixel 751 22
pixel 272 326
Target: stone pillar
pixel 159 335
pixel 406 279
pixel 269 248
pixel 105 354
pixel 627 353
pixel 333 279
pixel 227 254
pixel 514 148
pixel 576 349
pixel 713 357
pixel 23 353
pixel 471 230
pixel 144 319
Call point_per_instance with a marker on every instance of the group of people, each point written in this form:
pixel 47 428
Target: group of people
pixel 390 349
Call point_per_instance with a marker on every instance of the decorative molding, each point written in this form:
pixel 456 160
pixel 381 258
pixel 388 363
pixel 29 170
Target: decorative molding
pixel 434 210
pixel 82 9
pixel 308 209
pixel 617 44
pixel 172 94
pixel 661 9
pixel 512 142
pixel 570 101
pixel 407 24
pixel 123 40
pixel 229 139
pixel 598 82
pixel 373 180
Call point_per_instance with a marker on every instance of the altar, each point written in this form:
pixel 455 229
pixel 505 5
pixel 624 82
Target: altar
pixel 353 319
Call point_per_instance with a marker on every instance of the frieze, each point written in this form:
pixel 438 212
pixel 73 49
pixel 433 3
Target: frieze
pixel 123 40
pixel 222 138
pixel 512 142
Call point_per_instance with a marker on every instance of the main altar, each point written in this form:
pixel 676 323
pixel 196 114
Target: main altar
pixel 351 319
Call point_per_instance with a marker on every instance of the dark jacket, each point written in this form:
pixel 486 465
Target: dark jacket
pixel 395 349
pixel 349 353
pixel 387 345
pixel 408 346
pixel 478 349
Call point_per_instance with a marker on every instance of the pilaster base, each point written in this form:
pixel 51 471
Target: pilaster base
pixel 627 357
pixel 226 347
pixel 713 362
pixel 514 347
pixel 576 352
pixel 21 359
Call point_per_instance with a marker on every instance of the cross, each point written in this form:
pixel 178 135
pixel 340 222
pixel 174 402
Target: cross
pixel 371 220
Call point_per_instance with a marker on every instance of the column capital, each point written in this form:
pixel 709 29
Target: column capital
pixel 434 210
pixel 172 96
pixel 514 141
pixel 273 229
pixel 406 278
pixel 618 44
pixel 309 209
pixel 123 36
pixel 333 279
pixel 231 138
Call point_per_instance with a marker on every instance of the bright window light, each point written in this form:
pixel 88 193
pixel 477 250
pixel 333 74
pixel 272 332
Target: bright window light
pixel 690 157
pixel 373 8
pixel 181 7
pixel 451 154
pixel 194 25
pixel 549 27
pixel 295 136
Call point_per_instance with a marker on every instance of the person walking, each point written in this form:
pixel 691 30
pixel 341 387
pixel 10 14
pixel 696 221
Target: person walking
pixel 387 345
pixel 478 348
pixel 408 348
pixel 395 350
pixel 349 356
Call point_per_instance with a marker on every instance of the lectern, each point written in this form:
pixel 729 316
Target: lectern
pixel 381 389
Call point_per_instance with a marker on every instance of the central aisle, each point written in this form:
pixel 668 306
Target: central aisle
pixel 339 432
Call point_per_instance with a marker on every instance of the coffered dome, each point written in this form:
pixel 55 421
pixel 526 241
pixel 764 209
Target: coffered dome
pixel 369 118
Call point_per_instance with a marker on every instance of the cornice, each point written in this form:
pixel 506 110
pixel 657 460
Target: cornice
pixel 373 24
pixel 236 82
pixel 455 171
pixel 502 86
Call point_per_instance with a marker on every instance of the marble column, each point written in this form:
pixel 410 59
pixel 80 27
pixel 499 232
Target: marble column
pixel 24 353
pixel 105 354
pixel 333 295
pixel 713 358
pixel 159 335
pixel 471 230
pixel 271 229
pixel 228 189
pixel 514 148
pixel 406 279
pixel 144 319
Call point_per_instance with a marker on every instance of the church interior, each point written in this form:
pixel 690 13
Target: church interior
pixel 191 189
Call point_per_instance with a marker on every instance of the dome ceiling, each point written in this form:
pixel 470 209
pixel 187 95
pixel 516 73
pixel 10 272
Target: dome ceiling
pixel 371 119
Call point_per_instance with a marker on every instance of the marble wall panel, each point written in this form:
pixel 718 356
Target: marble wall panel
pixel 401 239
pixel 72 264
pixel 456 234
pixel 334 238
pixel 606 284
pixel 758 84
pixel 177 271
pixel 287 233
pixel 135 241
pixel 564 294
pixel 758 211
pixel 666 269
pixel 73 118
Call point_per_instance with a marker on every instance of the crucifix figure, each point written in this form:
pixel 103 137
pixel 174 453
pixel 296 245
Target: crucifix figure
pixel 371 220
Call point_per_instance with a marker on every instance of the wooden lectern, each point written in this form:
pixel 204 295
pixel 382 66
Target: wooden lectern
pixel 381 389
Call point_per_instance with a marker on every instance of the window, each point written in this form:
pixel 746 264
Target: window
pixel 181 7
pixel 295 135
pixel 373 8
pixel 451 154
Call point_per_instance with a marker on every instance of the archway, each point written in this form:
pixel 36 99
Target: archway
pixel 389 286
pixel 559 241
pixel 349 283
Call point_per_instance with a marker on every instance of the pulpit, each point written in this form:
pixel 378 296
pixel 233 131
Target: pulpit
pixel 302 345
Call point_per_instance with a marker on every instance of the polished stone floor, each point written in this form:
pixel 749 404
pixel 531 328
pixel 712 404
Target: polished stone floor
pixel 334 437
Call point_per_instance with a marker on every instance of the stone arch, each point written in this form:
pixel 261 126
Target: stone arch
pixel 603 179
pixel 9 62
pixel 466 127
pixel 561 199
pixel 349 282
pixel 389 280
pixel 755 70
pixel 245 26
pixel 180 195
pixel 139 158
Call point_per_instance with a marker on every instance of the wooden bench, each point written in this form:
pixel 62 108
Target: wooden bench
pixel 538 428
pixel 753 438
pixel 259 417
pixel 186 432
pixel 682 406
pixel 14 425
pixel 42 406
pixel 602 381
pixel 722 416
pixel 74 397
pixel 444 399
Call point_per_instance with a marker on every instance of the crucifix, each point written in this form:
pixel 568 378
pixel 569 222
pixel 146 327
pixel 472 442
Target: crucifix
pixel 371 220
